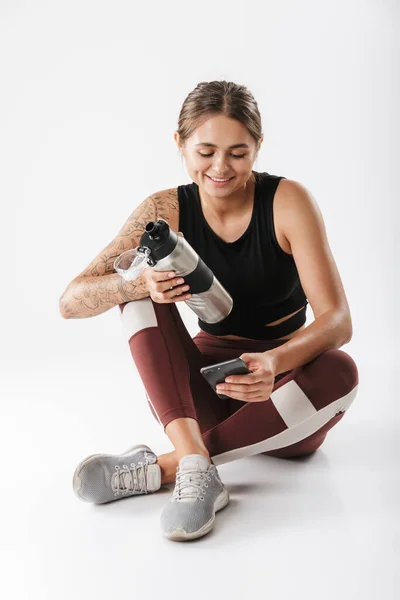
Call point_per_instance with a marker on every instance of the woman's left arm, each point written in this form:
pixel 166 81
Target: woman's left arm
pixel 304 228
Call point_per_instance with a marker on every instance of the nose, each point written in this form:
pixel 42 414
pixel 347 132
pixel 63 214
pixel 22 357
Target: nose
pixel 220 166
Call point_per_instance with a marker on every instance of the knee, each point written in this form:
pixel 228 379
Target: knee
pixel 136 316
pixel 339 365
pixel 135 304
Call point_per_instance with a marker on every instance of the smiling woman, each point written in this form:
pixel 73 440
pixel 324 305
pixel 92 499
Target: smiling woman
pixel 264 238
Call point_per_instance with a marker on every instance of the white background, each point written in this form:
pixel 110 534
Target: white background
pixel 89 102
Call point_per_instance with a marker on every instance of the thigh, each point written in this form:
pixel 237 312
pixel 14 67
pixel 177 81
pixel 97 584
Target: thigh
pixel 294 421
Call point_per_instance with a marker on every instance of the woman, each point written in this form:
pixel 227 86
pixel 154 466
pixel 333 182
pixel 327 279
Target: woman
pixel 264 238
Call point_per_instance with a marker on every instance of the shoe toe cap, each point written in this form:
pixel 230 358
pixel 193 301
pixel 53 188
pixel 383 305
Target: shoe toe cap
pixel 188 517
pixel 91 483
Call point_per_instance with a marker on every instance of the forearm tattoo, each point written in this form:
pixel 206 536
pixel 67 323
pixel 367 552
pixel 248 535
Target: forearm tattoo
pixel 89 296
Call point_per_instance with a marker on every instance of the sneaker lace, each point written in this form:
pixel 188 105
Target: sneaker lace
pixel 129 479
pixel 190 484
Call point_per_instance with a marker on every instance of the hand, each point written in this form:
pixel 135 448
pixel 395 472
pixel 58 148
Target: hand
pixel 164 286
pixel 255 386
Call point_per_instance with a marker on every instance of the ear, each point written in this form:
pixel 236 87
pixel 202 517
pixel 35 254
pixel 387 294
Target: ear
pixel 177 140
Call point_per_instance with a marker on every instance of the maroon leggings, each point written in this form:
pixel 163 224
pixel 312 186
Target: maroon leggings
pixel 304 404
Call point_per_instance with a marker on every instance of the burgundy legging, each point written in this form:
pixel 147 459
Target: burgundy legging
pixel 304 404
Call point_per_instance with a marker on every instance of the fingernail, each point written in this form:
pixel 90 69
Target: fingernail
pixel 171 274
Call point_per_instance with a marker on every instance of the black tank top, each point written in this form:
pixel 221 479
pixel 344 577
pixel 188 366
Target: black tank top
pixel 261 278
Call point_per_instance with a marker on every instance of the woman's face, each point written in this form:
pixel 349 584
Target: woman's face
pixel 220 148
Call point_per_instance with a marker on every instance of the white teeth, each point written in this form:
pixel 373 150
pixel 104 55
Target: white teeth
pixel 219 180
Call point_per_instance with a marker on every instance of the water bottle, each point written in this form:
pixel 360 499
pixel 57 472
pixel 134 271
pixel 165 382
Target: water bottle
pixel 164 250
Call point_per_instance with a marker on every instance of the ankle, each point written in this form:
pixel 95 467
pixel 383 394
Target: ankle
pixel 186 437
pixel 192 450
pixel 168 464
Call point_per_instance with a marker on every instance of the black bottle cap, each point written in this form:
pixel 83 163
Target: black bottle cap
pixel 159 239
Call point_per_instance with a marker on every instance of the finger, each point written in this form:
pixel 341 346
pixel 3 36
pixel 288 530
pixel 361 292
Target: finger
pixel 163 298
pixel 176 298
pixel 246 397
pixel 247 357
pixel 174 284
pixel 243 379
pixel 181 298
pixel 172 292
pixel 242 389
pixel 179 291
pixel 176 291
pixel 162 275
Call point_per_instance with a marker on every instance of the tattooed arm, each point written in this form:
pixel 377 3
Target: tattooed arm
pixel 98 288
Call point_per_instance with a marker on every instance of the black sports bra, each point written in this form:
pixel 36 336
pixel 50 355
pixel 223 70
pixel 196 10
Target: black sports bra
pixel 261 278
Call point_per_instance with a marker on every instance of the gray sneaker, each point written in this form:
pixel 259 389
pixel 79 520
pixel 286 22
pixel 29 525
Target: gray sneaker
pixel 106 477
pixel 199 493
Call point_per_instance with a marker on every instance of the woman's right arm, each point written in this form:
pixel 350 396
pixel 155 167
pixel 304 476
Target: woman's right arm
pixel 99 288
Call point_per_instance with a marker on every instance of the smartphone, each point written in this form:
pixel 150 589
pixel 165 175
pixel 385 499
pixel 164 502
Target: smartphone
pixel 217 373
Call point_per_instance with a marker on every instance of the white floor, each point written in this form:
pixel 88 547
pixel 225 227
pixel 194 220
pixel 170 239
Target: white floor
pixel 323 527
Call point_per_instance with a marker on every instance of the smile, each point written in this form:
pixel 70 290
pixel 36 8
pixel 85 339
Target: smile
pixel 219 180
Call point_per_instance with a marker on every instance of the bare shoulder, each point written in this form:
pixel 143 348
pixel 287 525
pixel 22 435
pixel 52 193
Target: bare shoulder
pixel 160 205
pixel 281 205
pixel 291 194
pixel 292 199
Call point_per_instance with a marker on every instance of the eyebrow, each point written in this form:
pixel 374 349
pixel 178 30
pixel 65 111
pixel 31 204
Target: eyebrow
pixel 214 146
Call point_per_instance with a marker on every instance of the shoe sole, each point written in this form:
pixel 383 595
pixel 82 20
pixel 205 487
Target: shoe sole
pixel 292 435
pixel 77 482
pixel 180 535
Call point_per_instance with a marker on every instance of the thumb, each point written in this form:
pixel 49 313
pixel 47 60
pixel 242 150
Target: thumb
pixel 246 358
pixel 180 233
pixel 250 359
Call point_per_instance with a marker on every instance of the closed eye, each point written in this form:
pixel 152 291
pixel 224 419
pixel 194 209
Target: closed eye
pixel 233 155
